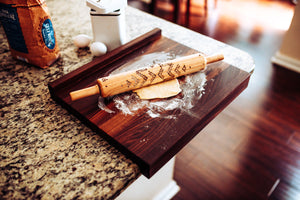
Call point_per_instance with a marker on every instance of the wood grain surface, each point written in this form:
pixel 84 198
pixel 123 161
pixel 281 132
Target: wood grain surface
pixel 150 142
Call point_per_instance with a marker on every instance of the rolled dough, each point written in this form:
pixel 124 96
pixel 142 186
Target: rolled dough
pixel 160 90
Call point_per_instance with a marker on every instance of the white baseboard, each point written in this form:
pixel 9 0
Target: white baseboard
pixel 168 192
pixel 286 61
pixel 161 186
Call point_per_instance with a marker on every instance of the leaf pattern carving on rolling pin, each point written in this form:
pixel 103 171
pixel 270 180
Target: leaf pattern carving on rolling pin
pixel 153 76
pixel 135 81
pixel 160 73
pixel 144 77
pixel 170 71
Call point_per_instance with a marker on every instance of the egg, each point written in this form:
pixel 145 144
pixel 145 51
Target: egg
pixel 98 48
pixel 82 40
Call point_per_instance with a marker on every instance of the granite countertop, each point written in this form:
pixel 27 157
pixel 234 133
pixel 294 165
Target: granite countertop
pixel 47 153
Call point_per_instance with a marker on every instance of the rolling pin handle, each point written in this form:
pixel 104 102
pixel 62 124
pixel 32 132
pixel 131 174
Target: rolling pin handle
pixel 79 94
pixel 214 58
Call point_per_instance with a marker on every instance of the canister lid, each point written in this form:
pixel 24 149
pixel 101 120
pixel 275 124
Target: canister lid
pixel 106 6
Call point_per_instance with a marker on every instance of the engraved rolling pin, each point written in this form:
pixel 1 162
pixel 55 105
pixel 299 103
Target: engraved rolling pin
pixel 124 82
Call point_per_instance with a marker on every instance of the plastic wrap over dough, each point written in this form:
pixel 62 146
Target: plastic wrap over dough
pixel 160 90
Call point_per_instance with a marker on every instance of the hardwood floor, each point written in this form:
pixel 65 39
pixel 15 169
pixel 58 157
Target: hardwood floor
pixel 251 150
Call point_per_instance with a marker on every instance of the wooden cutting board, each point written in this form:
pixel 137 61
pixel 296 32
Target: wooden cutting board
pixel 148 141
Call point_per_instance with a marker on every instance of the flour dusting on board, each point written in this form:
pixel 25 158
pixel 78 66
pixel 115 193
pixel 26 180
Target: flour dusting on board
pixel 129 103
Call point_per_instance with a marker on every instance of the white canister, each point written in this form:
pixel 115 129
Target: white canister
pixel 109 25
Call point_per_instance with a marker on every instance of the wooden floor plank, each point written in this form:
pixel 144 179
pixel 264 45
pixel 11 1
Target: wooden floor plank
pixel 285 191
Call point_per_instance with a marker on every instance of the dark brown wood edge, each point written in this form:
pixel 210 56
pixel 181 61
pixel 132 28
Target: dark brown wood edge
pixel 110 57
pixel 197 128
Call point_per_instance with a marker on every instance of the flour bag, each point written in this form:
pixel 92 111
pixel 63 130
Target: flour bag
pixel 29 31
